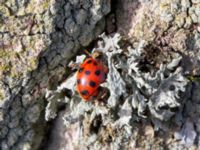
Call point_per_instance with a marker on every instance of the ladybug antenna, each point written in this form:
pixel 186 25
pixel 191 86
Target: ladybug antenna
pixel 87 52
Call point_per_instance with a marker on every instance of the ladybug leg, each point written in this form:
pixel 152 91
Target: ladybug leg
pixel 103 94
pixel 106 70
pixel 74 66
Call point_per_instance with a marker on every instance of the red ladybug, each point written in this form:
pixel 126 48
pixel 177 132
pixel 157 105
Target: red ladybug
pixel 91 74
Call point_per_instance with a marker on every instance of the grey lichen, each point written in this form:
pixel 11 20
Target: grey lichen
pixel 168 96
pixel 133 91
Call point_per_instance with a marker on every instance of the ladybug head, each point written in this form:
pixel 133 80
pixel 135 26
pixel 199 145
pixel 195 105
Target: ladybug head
pixel 97 55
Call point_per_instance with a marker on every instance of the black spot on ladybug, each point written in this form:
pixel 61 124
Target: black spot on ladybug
pixel 92 84
pixel 87 72
pixel 89 61
pixel 78 81
pixel 84 92
pixel 95 63
pixel 81 70
pixel 97 72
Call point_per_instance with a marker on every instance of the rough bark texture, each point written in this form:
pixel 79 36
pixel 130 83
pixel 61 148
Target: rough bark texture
pixel 37 39
pixel 153 79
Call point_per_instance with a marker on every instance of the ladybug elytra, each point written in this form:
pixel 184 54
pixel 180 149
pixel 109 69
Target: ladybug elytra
pixel 91 73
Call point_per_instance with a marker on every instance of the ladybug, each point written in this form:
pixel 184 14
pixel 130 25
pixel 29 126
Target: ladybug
pixel 91 73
